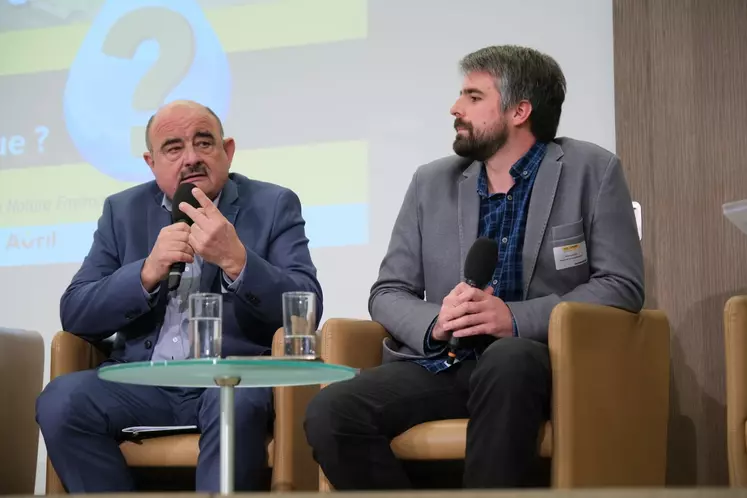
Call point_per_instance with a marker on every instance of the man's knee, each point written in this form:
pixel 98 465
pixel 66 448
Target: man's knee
pixel 252 406
pixel 61 405
pixel 330 410
pixel 519 360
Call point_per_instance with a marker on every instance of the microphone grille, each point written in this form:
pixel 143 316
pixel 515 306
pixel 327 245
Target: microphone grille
pixel 183 194
pixel 481 261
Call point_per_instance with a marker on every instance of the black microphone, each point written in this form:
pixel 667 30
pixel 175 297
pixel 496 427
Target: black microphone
pixel 183 194
pixel 479 266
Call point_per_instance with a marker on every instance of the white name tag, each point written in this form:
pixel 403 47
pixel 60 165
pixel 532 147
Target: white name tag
pixel 570 255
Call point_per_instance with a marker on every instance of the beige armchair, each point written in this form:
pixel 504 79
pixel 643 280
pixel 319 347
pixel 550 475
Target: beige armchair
pixel 735 342
pixel 610 396
pixel 21 375
pixel 289 456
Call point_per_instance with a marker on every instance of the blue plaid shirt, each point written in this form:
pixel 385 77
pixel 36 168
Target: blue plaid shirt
pixel 502 218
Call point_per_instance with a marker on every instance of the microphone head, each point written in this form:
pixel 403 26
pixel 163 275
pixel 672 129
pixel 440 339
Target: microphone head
pixel 480 263
pixel 183 194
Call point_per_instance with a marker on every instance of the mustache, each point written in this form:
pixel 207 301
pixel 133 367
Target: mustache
pixel 458 123
pixel 195 169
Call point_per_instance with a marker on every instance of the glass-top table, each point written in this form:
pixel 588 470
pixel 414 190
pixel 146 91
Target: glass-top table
pixel 227 374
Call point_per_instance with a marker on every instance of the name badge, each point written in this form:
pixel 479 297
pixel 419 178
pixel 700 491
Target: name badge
pixel 570 255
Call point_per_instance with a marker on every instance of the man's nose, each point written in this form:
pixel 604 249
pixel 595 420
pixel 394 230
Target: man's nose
pixel 456 111
pixel 190 156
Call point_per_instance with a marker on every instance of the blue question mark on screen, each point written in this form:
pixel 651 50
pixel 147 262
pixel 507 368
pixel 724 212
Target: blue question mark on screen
pixel 137 55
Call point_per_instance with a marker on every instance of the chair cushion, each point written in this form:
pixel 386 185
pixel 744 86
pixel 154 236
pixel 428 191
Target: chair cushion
pixel 447 440
pixel 170 451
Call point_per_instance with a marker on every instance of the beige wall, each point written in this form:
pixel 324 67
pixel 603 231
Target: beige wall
pixel 681 124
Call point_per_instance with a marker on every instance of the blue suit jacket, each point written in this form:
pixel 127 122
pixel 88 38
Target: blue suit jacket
pixel 106 296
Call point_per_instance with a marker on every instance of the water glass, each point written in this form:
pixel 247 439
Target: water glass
pixel 205 330
pixel 299 323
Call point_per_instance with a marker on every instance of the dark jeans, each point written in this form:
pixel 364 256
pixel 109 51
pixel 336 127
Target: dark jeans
pixel 505 395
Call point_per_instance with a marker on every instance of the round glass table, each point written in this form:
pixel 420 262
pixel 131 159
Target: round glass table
pixel 227 374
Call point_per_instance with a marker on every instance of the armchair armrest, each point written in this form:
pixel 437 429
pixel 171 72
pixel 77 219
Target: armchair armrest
pixel 21 375
pixel 294 468
pixel 353 343
pixel 610 372
pixel 70 353
pixel 735 342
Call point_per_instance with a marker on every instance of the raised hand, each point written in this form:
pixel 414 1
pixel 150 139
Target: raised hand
pixel 213 237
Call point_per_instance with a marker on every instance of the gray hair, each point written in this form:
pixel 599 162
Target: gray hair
pixel 523 73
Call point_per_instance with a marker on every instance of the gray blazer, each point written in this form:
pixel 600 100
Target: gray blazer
pixel 579 197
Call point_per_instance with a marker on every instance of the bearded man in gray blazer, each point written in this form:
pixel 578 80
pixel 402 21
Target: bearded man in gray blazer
pixel 561 214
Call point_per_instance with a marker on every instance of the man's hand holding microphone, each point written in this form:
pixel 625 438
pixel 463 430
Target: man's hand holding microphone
pixel 471 308
pixel 172 246
pixel 199 228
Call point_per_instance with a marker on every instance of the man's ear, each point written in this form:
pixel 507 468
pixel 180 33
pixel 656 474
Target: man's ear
pixel 229 146
pixel 521 113
pixel 148 159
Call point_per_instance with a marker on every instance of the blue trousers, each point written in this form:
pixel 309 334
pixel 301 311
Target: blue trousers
pixel 81 419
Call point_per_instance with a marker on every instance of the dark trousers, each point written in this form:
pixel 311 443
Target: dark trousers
pixel 505 395
pixel 82 417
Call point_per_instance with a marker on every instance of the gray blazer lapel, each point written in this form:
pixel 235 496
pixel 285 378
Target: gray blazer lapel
pixel 229 208
pixel 540 206
pixel 468 210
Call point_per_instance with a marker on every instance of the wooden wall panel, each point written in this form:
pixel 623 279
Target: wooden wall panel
pixel 681 123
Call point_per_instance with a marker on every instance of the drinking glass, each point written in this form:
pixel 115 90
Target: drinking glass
pixel 299 322
pixel 205 320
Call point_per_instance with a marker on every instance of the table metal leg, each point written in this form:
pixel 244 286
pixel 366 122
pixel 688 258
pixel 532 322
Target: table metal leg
pixel 227 465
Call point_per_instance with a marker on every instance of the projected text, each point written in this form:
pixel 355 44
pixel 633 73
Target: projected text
pixel 19 242
pixel 18 145
pixel 60 204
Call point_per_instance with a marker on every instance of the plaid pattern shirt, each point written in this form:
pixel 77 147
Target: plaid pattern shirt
pixel 502 218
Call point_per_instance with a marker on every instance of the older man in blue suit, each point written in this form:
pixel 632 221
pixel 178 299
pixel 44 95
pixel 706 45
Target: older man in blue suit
pixel 247 242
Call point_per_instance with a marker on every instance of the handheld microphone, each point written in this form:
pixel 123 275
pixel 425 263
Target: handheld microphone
pixel 183 194
pixel 479 266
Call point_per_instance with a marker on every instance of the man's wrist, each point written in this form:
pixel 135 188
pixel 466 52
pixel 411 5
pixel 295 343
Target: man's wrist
pixel 146 278
pixel 431 344
pixel 235 264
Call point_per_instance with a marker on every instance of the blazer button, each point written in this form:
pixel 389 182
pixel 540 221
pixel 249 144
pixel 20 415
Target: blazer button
pixel 254 299
pixel 148 344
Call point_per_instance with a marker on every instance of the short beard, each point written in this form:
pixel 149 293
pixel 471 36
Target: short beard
pixel 479 147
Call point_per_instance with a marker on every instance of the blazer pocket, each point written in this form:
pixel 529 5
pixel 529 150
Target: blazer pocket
pixel 569 249
pixel 573 230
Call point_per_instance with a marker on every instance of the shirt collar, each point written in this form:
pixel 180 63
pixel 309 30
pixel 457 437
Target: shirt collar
pixel 523 169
